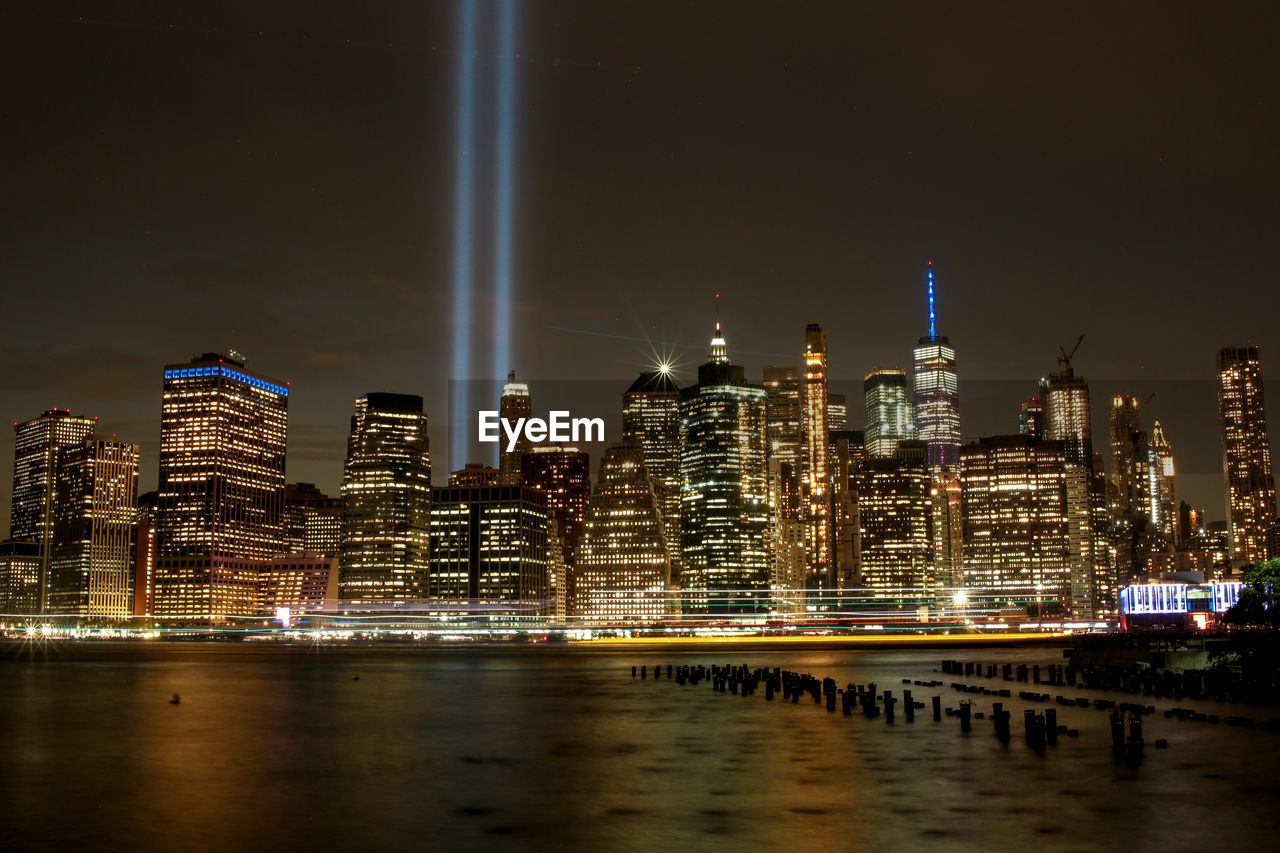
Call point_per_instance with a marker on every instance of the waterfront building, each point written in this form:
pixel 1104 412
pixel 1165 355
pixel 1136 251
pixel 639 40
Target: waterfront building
pixel 386 498
pixel 848 456
pixel 1016 525
pixel 815 473
pixel 300 582
pixel 19 578
pixel 563 474
pixel 38 444
pixel 489 548
pixel 937 392
pixel 311 521
pixel 514 404
pixel 651 416
pixel 91 565
pixel 144 556
pixel 724 494
pixel 623 562
pixel 788 562
pixel 1246 453
pixel 947 528
pixel 895 517
pixel 221 488
pixel 887 417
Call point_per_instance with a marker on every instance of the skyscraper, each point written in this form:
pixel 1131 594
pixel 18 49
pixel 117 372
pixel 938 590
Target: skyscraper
pixel 1128 458
pixel 623 563
pixel 386 497
pixel 1246 453
pixel 91 565
pixel 651 416
pixel 221 491
pixel 937 392
pixel 19 577
pixel 1066 414
pixel 312 521
pixel 837 412
pixel 1162 488
pixel 489 548
pixel 947 530
pixel 784 409
pixel 563 474
pixel 895 509
pixel 1016 520
pixel 724 495
pixel 815 466
pixel 38 445
pixel 514 404
pixel 887 413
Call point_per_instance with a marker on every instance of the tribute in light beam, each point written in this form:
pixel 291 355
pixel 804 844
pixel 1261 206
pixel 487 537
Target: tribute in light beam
pixel 459 404
pixel 503 189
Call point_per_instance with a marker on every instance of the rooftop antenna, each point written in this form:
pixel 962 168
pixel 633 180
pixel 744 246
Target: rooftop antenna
pixel 933 317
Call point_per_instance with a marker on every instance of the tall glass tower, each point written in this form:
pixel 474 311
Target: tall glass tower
pixel 724 488
pixel 937 395
pixel 815 470
pixel 887 414
pixel 651 418
pixel 386 496
pixel 1246 453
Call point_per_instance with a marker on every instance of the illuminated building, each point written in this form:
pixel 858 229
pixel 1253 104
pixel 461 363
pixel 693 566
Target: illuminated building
pixel 1162 486
pixel 1016 536
pixel 475 474
pixel 1066 415
pixel 815 473
pixel 887 416
pixel 514 404
pixel 895 512
pixel 724 490
pixel 19 577
pixel 1031 418
pixel 937 392
pixel 563 474
pixel 38 444
pixel 1246 453
pixel 300 582
pixel 651 416
pixel 311 521
pixel 221 490
pixel 788 563
pixel 1128 458
pixel 144 556
pixel 947 528
pixel 386 498
pixel 848 456
pixel 623 563
pixel 91 564
pixel 783 412
pixel 1177 605
pixel 489 548
pixel 837 412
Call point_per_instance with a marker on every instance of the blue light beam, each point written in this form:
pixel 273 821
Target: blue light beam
pixel 502 204
pixel 459 404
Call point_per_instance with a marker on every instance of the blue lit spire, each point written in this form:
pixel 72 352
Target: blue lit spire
pixel 933 317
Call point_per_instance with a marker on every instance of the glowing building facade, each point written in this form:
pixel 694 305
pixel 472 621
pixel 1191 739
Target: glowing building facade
pixel 624 568
pixel 724 493
pixel 783 412
pixel 514 404
pixel 651 416
pixel 386 497
pixel 937 392
pixel 815 467
pixel 563 474
pixel 91 566
pixel 887 415
pixel 1016 537
pixel 1246 453
pixel 489 548
pixel 1067 414
pixel 311 521
pixel 221 489
pixel 895 516
pixel 38 445
pixel 19 577
pixel 1162 484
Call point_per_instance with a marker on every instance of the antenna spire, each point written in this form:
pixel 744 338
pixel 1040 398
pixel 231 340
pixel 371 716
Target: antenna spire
pixel 933 316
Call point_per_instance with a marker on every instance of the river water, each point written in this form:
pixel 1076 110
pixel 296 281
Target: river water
pixel 537 748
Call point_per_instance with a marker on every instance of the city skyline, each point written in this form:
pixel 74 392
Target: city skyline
pixel 326 219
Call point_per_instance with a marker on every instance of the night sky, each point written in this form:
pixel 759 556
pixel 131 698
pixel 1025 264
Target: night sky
pixel 180 179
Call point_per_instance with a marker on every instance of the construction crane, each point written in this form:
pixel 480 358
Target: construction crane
pixel 1065 358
